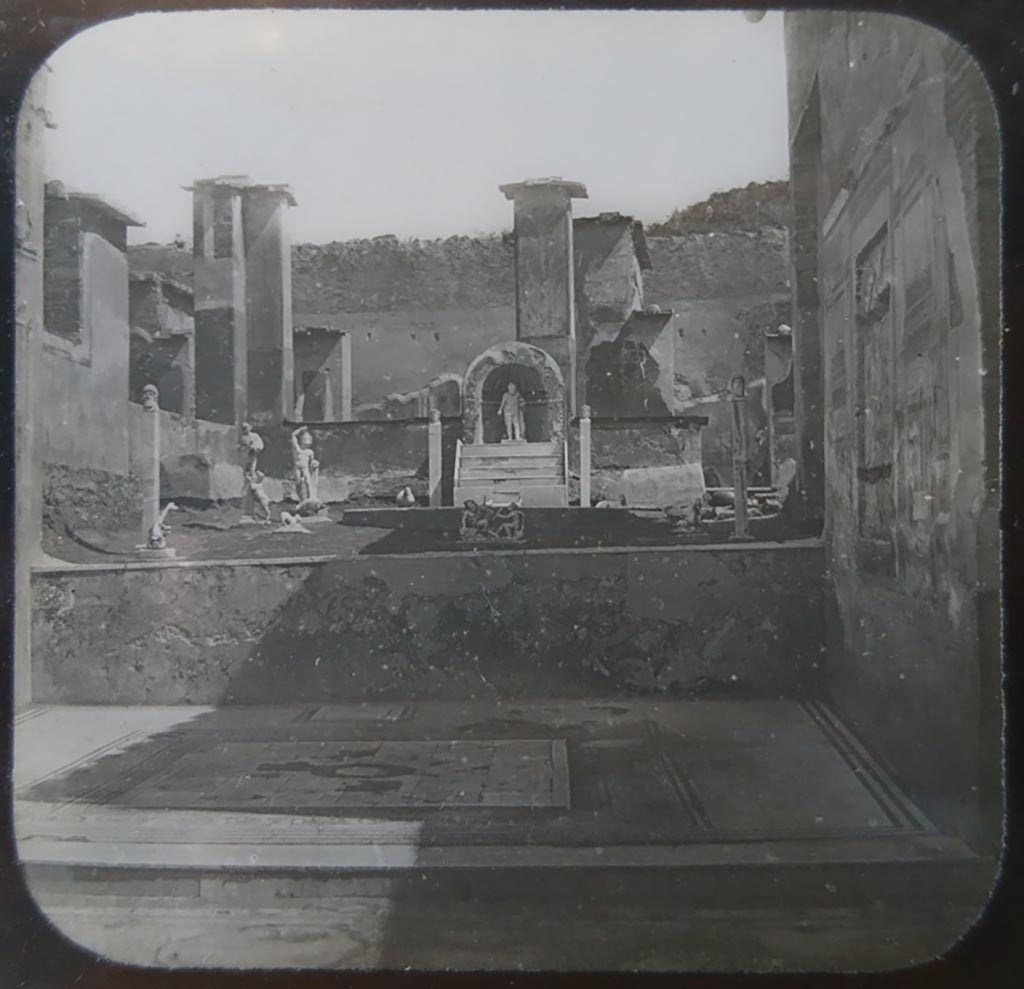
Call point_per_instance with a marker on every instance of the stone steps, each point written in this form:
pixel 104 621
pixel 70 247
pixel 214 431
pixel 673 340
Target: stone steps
pixel 543 460
pixel 530 473
pixel 499 472
pixel 511 450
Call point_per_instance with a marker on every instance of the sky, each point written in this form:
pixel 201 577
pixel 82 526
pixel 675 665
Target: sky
pixel 405 123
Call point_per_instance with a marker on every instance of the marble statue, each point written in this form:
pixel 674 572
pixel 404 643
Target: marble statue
pixel 511 410
pixel 307 474
pixel 256 501
pixel 253 494
pixel 291 523
pixel 307 467
pixel 252 443
pixel 157 538
pixel 150 398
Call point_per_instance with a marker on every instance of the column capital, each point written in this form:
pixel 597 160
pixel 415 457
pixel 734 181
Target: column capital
pixel 544 188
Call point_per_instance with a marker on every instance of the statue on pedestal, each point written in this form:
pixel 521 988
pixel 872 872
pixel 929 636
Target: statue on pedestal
pixel 307 473
pixel 157 537
pixel 252 443
pixel 253 495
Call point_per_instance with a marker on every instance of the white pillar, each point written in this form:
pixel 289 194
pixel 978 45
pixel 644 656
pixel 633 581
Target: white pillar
pixel 739 457
pixel 434 457
pixel 346 377
pixel 585 456
pixel 151 477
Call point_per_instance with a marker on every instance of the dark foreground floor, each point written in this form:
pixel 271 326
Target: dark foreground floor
pixel 636 835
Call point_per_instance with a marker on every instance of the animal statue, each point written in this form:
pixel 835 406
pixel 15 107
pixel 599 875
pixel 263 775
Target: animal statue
pixel 256 495
pixel 158 531
pixel 310 507
pixel 291 523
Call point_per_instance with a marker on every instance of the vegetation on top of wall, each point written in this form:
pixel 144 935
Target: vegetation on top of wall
pixel 753 207
pixel 385 273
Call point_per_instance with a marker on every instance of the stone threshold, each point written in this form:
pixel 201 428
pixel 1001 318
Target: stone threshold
pixel 120 838
pixel 297 561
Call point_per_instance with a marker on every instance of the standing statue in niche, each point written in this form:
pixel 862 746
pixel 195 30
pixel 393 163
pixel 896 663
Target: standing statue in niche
pixel 511 410
pixel 307 473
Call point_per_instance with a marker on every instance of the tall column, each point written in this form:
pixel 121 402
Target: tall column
pixel 220 299
pixel 268 304
pixel 434 457
pixel 545 270
pixel 346 376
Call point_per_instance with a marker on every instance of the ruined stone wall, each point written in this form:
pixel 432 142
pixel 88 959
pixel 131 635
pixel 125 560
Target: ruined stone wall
pixel 740 622
pixel 82 399
pixel 726 288
pixel 906 198
pixel 649 462
pixel 416 309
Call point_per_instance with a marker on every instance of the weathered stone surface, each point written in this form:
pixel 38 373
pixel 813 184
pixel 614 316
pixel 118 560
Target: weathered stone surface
pixel 557 624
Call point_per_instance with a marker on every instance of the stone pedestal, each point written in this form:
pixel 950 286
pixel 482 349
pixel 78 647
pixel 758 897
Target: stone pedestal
pixel 220 299
pixel 434 458
pixel 268 303
pixel 585 457
pixel 150 471
pixel 346 377
pixel 739 460
pixel 545 270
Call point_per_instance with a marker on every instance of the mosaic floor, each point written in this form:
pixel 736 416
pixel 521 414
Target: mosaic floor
pixel 563 774
pixel 567 835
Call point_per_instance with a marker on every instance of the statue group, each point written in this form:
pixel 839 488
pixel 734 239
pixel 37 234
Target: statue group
pixel 306 475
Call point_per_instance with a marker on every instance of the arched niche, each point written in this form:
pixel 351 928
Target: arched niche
pixel 529 367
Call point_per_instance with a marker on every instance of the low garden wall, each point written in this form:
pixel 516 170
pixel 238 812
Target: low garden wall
pixel 704 620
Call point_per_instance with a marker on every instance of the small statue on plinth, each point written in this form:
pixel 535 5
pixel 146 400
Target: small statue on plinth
pixel 255 500
pixel 157 538
pixel 511 410
pixel 307 474
pixel 291 524
pixel 252 443
pixel 253 494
